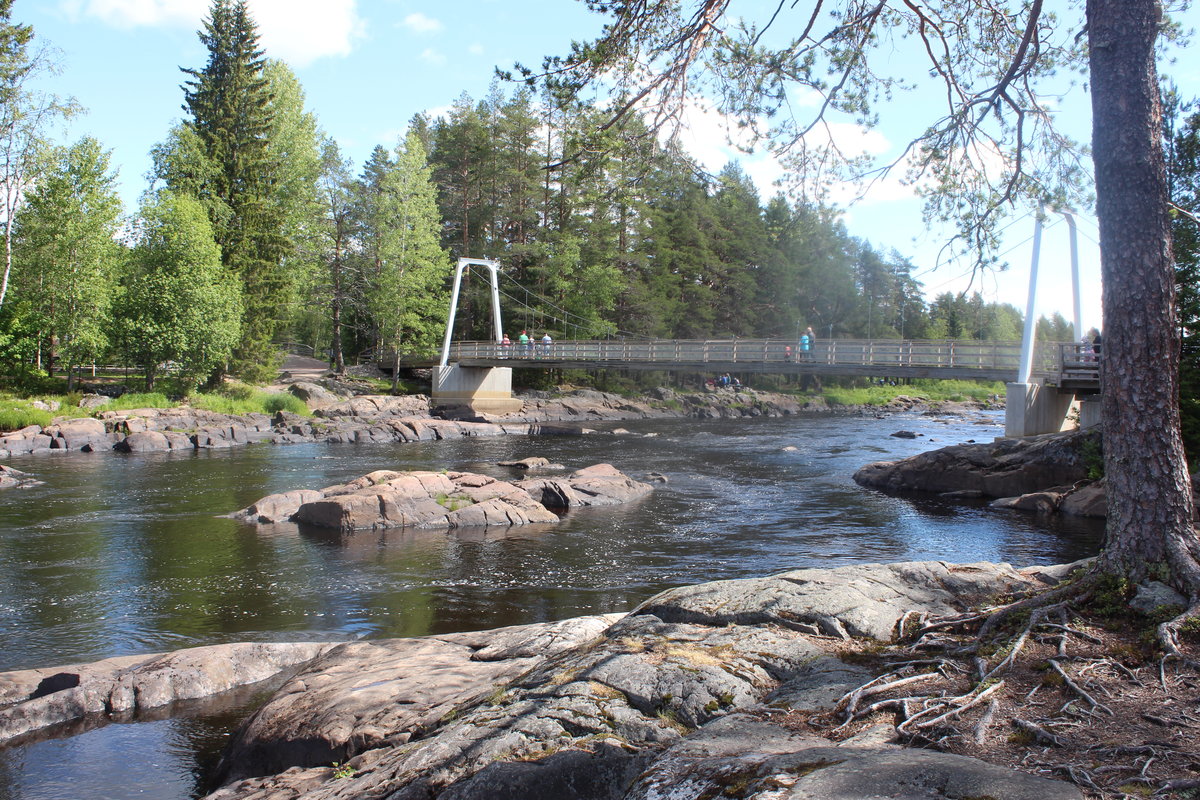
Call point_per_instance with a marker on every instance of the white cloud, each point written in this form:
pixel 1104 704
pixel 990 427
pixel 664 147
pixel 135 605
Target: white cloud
pixel 297 31
pixel 475 49
pixel 419 23
pixel 433 57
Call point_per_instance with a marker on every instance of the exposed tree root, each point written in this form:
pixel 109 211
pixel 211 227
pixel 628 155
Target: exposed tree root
pixel 1059 683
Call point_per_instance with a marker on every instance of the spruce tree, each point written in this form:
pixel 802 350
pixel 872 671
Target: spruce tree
pixel 231 116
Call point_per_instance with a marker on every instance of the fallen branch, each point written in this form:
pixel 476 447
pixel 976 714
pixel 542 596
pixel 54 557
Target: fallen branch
pixel 1079 690
pixel 1039 733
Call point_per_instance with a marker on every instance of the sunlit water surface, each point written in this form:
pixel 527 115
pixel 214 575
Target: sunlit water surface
pixel 123 554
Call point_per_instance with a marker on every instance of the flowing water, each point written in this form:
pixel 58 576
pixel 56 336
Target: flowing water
pixel 123 554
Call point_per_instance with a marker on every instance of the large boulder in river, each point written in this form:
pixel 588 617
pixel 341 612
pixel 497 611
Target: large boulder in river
pixel 15 479
pixel 425 500
pixel 78 434
pixel 597 485
pixel 389 499
pixel 1004 468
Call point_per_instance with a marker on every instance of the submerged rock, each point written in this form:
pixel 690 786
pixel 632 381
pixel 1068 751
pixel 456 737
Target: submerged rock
pixel 15 479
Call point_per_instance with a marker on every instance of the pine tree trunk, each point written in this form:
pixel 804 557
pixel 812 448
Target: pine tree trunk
pixel 1150 531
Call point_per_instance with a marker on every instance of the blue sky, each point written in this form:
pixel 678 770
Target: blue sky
pixel 368 65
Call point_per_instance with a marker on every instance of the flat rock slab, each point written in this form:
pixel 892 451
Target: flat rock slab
pixel 862 601
pixel 666 702
pixel 361 695
pixel 38 698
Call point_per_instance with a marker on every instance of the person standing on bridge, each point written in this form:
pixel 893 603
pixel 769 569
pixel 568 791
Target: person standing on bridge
pixel 505 344
pixel 523 341
pixel 812 344
pixel 546 342
pixel 805 344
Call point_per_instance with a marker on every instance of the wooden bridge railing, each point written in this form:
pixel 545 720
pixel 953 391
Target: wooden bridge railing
pixel 985 356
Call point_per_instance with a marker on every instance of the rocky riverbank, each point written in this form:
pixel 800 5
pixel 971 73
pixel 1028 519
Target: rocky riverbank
pixel 689 693
pixel 339 418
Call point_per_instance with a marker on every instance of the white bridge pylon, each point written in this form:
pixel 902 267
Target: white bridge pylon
pixel 462 266
pixel 1031 407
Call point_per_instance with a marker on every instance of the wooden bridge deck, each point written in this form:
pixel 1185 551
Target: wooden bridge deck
pixel 895 358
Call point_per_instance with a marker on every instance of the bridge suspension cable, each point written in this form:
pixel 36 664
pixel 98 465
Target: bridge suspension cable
pixel 584 324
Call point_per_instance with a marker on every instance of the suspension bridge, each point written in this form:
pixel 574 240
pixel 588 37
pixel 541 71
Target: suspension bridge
pixel 1043 382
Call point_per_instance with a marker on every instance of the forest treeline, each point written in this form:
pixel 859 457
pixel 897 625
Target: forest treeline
pixel 255 231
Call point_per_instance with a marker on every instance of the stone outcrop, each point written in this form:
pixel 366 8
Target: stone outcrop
pixel 387 499
pixel 598 485
pixel 1004 468
pixel 316 395
pixel 38 698
pixel 669 700
pixel 364 695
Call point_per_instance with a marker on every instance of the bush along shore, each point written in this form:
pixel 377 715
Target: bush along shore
pixel 327 412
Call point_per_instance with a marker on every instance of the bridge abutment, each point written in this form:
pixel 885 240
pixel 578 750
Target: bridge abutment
pixel 1034 408
pixel 486 390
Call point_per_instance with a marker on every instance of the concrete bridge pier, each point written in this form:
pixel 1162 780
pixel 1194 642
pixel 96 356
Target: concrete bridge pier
pixel 484 390
pixel 1034 408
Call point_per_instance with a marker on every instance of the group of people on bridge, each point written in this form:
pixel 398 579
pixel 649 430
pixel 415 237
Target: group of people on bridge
pixel 805 346
pixel 527 346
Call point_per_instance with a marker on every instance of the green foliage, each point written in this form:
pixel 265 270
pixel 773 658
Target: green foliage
pixel 177 303
pixel 69 258
pixel 1092 451
pixel 246 158
pixel 407 299
pixel 341 771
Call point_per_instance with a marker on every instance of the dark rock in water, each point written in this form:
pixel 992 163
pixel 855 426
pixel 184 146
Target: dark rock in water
pixel 532 463
pixel 904 435
pixel 1005 468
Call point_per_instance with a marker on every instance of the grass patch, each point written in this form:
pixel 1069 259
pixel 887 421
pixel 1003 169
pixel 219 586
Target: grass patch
pixel 14 417
pixel 255 402
pixel 138 400
pixel 929 390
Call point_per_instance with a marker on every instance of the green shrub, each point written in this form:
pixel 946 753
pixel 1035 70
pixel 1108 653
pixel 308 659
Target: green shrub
pixel 284 402
pixel 256 403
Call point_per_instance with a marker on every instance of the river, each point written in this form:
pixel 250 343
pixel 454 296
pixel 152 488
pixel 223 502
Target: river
pixel 123 554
